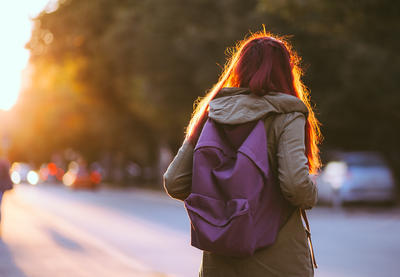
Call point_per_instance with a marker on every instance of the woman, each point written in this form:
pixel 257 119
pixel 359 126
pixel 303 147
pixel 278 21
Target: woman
pixel 262 80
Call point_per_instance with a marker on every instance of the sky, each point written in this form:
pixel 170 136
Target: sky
pixel 15 30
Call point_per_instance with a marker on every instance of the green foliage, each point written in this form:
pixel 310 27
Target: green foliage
pixel 124 73
pixel 350 51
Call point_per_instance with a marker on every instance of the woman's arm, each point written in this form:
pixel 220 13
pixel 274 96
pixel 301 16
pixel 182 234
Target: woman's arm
pixel 296 184
pixel 178 177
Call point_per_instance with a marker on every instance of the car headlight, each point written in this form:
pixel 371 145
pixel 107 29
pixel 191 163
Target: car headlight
pixel 32 177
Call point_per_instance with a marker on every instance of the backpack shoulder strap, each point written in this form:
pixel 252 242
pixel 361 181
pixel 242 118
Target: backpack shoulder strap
pixel 304 216
pixel 268 119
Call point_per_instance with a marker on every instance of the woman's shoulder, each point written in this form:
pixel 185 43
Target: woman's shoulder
pixel 277 124
pixel 283 120
pixel 285 103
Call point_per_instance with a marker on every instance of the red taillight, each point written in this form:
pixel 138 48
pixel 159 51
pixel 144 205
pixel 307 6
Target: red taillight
pixel 95 177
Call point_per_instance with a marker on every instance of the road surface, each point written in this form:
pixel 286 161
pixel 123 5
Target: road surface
pixel 52 231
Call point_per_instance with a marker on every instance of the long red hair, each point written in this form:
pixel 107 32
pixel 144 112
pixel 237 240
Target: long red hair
pixel 264 63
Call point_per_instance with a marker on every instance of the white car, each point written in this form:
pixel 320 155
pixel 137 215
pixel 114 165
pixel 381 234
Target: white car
pixel 356 177
pixel 19 172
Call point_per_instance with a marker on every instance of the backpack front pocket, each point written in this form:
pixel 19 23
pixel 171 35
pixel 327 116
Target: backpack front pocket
pixel 223 227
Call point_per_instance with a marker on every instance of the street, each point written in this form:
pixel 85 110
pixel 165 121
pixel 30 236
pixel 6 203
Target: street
pixel 53 231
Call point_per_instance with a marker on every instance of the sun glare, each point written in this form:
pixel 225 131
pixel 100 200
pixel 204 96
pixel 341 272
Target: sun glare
pixel 15 28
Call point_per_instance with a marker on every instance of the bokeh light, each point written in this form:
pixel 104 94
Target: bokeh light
pixel 33 177
pixel 69 178
pixel 335 173
pixel 15 177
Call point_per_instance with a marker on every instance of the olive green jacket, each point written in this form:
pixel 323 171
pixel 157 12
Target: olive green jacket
pixel 285 118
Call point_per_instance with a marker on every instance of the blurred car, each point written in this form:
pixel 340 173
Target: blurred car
pixel 84 181
pixel 51 173
pixel 356 177
pixel 78 177
pixel 19 172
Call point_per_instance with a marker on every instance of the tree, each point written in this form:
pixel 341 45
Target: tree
pixel 122 75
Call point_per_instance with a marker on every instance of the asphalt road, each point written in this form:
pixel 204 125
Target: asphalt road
pixel 52 231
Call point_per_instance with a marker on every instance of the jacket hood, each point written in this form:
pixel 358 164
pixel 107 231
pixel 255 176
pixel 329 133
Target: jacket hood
pixel 239 105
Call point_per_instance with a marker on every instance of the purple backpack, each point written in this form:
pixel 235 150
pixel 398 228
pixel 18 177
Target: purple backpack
pixel 235 206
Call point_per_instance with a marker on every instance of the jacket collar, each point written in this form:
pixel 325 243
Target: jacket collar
pixel 239 105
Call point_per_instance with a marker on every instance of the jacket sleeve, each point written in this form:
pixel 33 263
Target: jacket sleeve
pixel 177 179
pixel 295 182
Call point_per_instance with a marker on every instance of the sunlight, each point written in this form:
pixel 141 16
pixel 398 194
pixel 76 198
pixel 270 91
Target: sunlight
pixel 15 27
